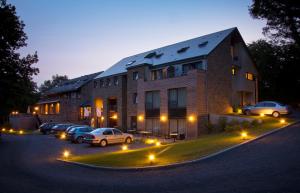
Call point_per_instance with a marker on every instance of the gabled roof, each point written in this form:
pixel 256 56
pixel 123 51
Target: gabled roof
pixel 196 47
pixel 72 84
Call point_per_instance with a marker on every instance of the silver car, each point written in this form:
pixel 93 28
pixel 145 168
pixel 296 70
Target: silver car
pixel 267 108
pixel 104 136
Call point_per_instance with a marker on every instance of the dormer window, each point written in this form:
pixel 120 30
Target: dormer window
pixel 183 49
pixel 159 55
pixel 203 44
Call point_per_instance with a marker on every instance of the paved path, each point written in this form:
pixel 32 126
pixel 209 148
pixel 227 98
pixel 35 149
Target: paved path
pixel 271 164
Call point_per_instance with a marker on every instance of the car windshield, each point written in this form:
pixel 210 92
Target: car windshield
pixel 73 129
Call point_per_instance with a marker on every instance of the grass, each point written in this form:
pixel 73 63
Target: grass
pixel 180 151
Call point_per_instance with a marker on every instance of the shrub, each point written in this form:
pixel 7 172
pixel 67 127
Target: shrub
pixel 245 124
pixel 233 125
pixel 254 123
pixel 222 123
pixel 209 126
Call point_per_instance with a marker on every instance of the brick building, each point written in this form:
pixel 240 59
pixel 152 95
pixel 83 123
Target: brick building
pixel 68 102
pixel 173 89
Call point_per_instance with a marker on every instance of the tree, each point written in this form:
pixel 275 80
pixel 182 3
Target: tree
pixel 283 19
pixel 16 85
pixel 56 80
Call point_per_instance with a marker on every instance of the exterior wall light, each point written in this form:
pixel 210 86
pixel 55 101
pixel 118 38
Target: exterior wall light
pixel 36 108
pixel 21 132
pixel 11 130
pixel 140 118
pixel 191 118
pixel 3 129
pixel 115 116
pixel 102 118
pixel 163 118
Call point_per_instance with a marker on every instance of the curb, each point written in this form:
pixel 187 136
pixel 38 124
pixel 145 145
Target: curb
pixel 180 163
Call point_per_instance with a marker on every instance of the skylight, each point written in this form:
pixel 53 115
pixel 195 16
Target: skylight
pixel 129 63
pixel 183 49
pixel 159 55
pixel 150 55
pixel 203 44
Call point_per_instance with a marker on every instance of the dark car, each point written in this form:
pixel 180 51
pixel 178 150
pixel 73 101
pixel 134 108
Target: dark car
pixel 59 129
pixel 77 134
pixel 45 128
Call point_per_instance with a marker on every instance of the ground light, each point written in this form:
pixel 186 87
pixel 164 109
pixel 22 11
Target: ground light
pixel 21 132
pixel 244 135
pixel 157 143
pixel 150 141
pixel 124 147
pixel 63 136
pixel 11 130
pixel 261 114
pixel 151 158
pixel 66 154
pixel 3 129
pixel 282 121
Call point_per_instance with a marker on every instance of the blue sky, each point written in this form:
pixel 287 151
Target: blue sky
pixel 77 37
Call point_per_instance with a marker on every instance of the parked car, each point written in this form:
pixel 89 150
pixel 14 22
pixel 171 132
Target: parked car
pixel 76 134
pixel 267 108
pixel 73 126
pixel 45 128
pixel 59 129
pixel 104 136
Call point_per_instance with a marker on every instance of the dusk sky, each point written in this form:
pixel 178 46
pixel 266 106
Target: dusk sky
pixel 78 37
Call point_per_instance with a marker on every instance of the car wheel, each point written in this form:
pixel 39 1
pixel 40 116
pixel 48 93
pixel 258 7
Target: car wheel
pixel 275 114
pixel 128 140
pixel 247 112
pixel 103 143
pixel 79 139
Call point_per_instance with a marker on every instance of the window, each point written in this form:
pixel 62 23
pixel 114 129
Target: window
pixel 191 66
pixel 57 108
pixel 108 82
pixel 177 98
pixel 182 50
pixel 203 44
pixel 129 63
pixel 269 104
pixel 101 83
pixel 134 98
pixel 233 71
pixel 116 81
pixel 117 132
pixel 157 74
pixel 135 75
pixel 108 132
pixel 85 112
pixel 152 100
pixel 95 84
pixel 153 126
pixel 249 76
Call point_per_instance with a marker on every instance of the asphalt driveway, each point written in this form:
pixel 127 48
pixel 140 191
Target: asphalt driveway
pixel 271 164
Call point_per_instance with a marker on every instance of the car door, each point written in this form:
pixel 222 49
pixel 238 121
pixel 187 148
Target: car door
pixel 119 137
pixel 270 107
pixel 258 108
pixel 109 136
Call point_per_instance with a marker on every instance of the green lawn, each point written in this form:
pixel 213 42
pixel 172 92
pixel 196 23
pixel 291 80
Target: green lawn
pixel 180 151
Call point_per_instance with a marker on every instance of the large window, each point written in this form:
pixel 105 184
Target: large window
pixel 177 98
pixel 135 75
pixel 177 102
pixel 152 104
pixel 191 66
pixel 153 126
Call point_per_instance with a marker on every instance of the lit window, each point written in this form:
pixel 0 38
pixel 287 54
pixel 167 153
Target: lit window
pixel 233 71
pixel 57 108
pixel 135 75
pixel 249 76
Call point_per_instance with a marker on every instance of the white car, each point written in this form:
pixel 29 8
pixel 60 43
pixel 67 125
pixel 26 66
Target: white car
pixel 104 136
